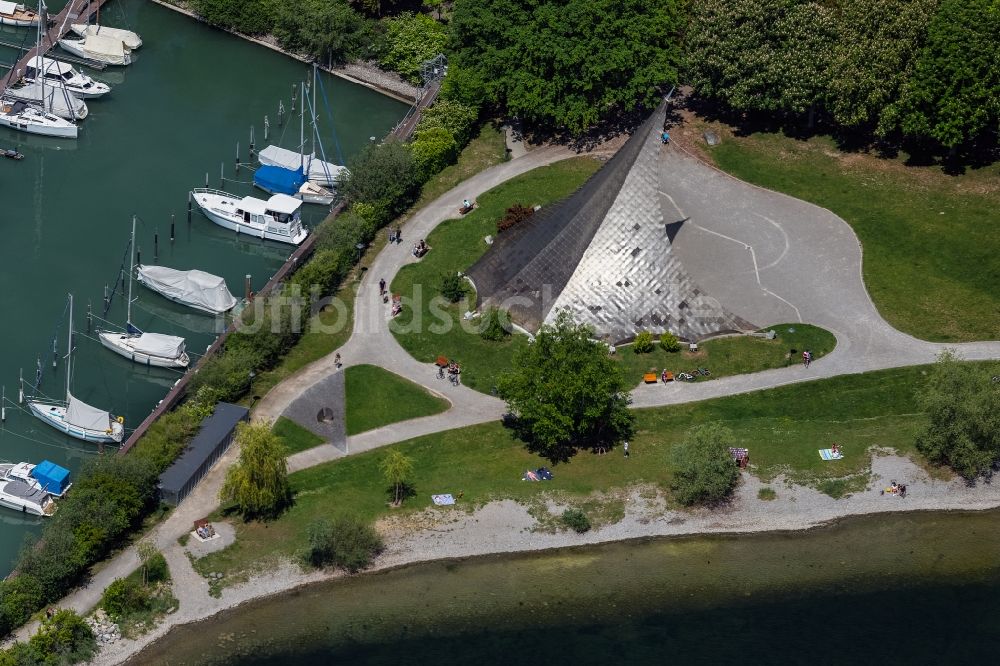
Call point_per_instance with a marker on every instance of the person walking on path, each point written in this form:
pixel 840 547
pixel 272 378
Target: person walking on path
pixel 625 448
pixel 381 287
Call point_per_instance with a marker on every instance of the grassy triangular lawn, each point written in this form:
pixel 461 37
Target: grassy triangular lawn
pixel 376 397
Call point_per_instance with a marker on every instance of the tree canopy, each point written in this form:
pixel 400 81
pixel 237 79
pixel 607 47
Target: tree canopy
pixel 567 64
pixel 258 482
pixel 704 470
pixel 566 392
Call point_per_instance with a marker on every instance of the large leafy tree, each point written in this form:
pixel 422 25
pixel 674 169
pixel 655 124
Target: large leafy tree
pixel 953 96
pixel 565 392
pixel 327 29
pixel 258 483
pixel 567 64
pixel 963 404
pixel 703 469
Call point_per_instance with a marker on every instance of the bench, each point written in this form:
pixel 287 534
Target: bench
pixel 650 378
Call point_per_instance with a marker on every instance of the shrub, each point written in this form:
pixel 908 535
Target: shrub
pixel 514 215
pixel 576 520
pixel 704 470
pixel 124 597
pixel 251 17
pixel 495 325
pixel 326 29
pixel 19 596
pixel 670 343
pixel 228 373
pixel 453 287
pixel 458 118
pixel 62 639
pixel 767 494
pixel 433 149
pixel 643 343
pixel 345 541
pixel 409 41
pixel 156 568
pixel 383 175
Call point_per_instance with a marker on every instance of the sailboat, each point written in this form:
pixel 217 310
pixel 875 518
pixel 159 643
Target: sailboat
pixel 131 40
pixel 56 100
pixel 99 48
pixel 196 289
pixel 73 416
pixel 156 349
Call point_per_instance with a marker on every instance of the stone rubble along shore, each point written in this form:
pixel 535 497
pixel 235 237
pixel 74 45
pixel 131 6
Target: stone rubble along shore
pixel 105 631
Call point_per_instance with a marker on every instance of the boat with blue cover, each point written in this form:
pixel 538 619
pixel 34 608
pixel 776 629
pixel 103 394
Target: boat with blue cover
pixel 32 488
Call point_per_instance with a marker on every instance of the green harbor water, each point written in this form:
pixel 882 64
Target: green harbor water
pixel 176 113
pixel 904 588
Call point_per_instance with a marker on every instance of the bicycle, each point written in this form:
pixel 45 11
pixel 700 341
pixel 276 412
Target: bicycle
pixel 685 377
pixel 703 372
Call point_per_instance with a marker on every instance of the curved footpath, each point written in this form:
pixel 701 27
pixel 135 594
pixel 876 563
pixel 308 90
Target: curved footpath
pixel 815 274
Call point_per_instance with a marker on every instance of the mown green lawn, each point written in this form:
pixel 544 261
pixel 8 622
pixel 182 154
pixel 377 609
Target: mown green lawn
pixel 732 355
pixel 295 437
pixel 931 241
pixel 376 397
pixel 455 246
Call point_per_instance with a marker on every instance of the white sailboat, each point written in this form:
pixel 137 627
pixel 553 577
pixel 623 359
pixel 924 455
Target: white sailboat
pixel 21 116
pixel 73 416
pixel 57 101
pixel 278 219
pixel 63 75
pixel 99 48
pixel 130 39
pixel 196 289
pixel 12 13
pixel 155 349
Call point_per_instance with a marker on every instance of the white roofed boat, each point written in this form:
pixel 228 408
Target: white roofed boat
pixel 197 289
pixel 277 219
pixel 318 172
pixel 99 48
pixel 23 117
pixel 12 13
pixel 127 37
pixel 63 75
pixel 21 492
pixel 54 100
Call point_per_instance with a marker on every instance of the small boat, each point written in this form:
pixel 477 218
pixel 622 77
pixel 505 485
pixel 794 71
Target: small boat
pixel 63 75
pixel 21 491
pixel 11 154
pixel 196 289
pixel 279 180
pixel 99 48
pixel 320 173
pixel 73 416
pixel 46 476
pixel 155 349
pixel 21 116
pixel 127 37
pixel 54 100
pixel 277 219
pixel 14 14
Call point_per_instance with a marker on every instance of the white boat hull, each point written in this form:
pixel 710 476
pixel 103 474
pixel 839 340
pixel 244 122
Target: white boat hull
pixel 55 416
pixel 77 111
pixel 22 506
pixel 189 304
pixel 18 23
pixel 222 211
pixel 119 343
pixel 65 132
pixel 127 37
pixel 73 47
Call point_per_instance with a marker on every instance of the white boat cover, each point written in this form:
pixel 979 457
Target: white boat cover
pixel 63 104
pixel 82 415
pixel 8 7
pixel 129 38
pixel 320 172
pixel 104 47
pixel 158 344
pixel 51 66
pixel 193 287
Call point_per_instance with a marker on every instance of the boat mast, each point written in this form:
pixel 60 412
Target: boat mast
pixel 314 128
pixel 131 270
pixel 38 50
pixel 302 129
pixel 69 348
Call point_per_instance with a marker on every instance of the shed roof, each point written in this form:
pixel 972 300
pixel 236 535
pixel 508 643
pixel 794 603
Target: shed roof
pixel 213 430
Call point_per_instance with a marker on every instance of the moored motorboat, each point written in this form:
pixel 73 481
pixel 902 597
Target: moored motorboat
pixel 279 180
pixel 196 289
pixel 63 75
pixel 321 173
pixel 99 48
pixel 276 219
pixel 12 13
pixel 127 37
pixel 21 491
pixel 57 101
pixel 46 476
pixel 23 117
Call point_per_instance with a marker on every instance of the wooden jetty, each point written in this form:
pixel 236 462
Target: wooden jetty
pixel 75 11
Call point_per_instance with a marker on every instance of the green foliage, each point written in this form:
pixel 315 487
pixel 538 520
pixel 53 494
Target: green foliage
pixel 63 639
pixel 382 175
pixel 433 149
pixel 345 541
pixel 963 404
pixel 458 118
pixel 767 493
pixel 19 597
pixel 576 520
pixel 704 470
pixel 251 17
pixel 409 41
pixel 397 470
pixel 124 596
pixel 258 482
pixel 228 373
pixel 670 343
pixel 953 96
pixel 453 287
pixel 566 64
pixel 565 391
pixel 156 568
pixel 643 343
pixel 326 29
pixel 465 85
pixel 495 325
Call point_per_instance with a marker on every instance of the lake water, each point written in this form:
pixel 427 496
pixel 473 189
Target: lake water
pixel 905 588
pixel 176 113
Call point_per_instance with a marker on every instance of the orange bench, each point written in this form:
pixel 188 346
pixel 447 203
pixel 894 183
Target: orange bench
pixel 650 378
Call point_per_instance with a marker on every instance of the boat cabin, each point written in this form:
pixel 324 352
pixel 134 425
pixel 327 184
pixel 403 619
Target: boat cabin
pixel 55 71
pixel 279 209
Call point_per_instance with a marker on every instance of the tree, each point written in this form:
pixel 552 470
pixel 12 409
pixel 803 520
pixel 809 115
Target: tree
pixel 433 149
pixel 566 64
pixel 643 343
pixel 704 470
pixel 459 119
pixel 397 468
pixel 953 96
pixel 410 40
pixel 344 541
pixel 258 482
pixel 565 392
pixel 146 550
pixel 453 287
pixel 495 325
pixel 669 342
pixel 326 29
pixel 63 638
pixel 963 406
pixel 382 175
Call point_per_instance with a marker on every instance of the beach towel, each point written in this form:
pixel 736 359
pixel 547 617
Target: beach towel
pixel 530 476
pixel 443 500
pixel 827 454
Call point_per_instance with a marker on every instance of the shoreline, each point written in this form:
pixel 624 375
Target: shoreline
pixel 359 73
pixel 504 527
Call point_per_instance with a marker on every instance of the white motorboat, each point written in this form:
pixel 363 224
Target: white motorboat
pixel 319 172
pixel 23 117
pixel 63 75
pixel 312 193
pixel 99 48
pixel 277 219
pixel 73 416
pixel 20 490
pixel 279 180
pixel 155 349
pixel 54 100
pixel 127 37
pixel 11 13
pixel 196 289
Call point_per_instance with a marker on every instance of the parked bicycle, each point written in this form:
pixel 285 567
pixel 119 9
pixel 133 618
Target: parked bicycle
pixel 702 372
pixel 685 377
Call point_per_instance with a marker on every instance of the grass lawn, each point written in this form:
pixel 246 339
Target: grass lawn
pixel 485 150
pixel 931 241
pixel 783 428
pixel 376 397
pixel 295 437
pixel 455 246
pixel 731 355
